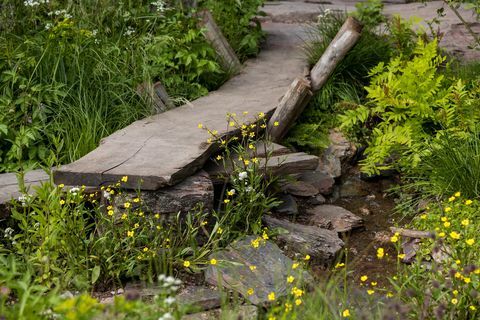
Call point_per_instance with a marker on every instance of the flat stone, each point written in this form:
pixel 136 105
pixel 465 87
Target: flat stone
pixel 244 312
pixel 272 268
pixel 300 189
pixel 320 180
pixel 288 205
pixel 202 298
pixel 321 244
pixel 334 217
pixel 183 197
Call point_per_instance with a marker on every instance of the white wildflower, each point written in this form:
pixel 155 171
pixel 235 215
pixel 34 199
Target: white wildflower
pixel 34 3
pixel 159 5
pixel 74 191
pixel 166 316
pixel 106 195
pixel 129 31
pixel 169 300
pixel 242 175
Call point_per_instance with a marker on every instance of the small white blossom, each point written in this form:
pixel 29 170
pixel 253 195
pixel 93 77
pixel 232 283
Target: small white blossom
pixel 159 5
pixel 169 300
pixel 166 316
pixel 242 175
pixel 106 195
pixel 129 31
pixel 74 191
pixel 34 3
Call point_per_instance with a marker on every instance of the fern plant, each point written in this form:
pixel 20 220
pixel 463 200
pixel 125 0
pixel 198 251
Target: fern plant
pixel 409 103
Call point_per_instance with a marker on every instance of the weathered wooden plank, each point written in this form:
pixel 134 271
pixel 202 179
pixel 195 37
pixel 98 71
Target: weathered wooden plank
pixel 157 95
pixel 9 186
pixel 228 58
pixel 166 148
pixel 276 165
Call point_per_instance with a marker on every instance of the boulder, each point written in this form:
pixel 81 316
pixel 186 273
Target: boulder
pixel 244 312
pixel 320 180
pixel 288 205
pixel 318 199
pixel 354 187
pixel 183 197
pixel 339 151
pixel 254 264
pixel 321 244
pixel 199 297
pixel 300 189
pixel 334 217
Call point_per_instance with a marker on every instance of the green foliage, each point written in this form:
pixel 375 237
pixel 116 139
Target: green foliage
pixel 236 20
pixel 69 71
pixel 370 13
pixel 410 103
pixel 449 288
pixel 345 84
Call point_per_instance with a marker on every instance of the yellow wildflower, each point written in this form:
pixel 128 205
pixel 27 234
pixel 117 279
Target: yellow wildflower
pixel 231 124
pixel 394 238
pixel 219 157
pixel 62 202
pixel 127 205
pixel 251 146
pixel 339 265
pixel 448 209
pixel 401 255
pixel 186 264
pixel 145 249
pixel 380 253
pixel 389 295
pixel 130 234
pixel 363 278
pixel 307 257
pixel 457 194
pixel 124 216
pixel 346 313
pixel 250 291
pixel 472 308
pixel 124 179
pixel 276 124
pixel 246 161
pixel 470 242
pixel 446 224
pixel 226 200
pixel 468 202
pixel 295 265
pixel 265 236
pixel 454 235
pixel 452 198
pixel 290 279
pixel 136 200
pixel 253 268
pixel 441 234
pixel 298 302
pixel 465 222
pixel 200 126
pixel 261 115
pixel 271 296
pixel 467 280
pixel 454 301
pixel 213 262
pixel 110 212
pixel 373 283
pixel 370 292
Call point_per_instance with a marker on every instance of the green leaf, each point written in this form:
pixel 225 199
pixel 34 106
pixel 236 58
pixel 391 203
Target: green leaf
pixel 95 274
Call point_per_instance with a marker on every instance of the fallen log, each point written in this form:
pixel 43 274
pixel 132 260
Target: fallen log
pixel 214 36
pixel 345 39
pixel 412 233
pixel 300 91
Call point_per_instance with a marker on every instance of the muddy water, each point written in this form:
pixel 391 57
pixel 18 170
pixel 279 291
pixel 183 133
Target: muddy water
pixel 370 201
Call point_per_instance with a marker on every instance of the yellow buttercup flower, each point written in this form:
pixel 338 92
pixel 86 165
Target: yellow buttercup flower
pixel 363 278
pixel 250 291
pixel 446 224
pixel 380 253
pixel 339 265
pixel 276 124
pixel 346 313
pixel 451 199
pixel 253 268
pixel 200 126
pixel 110 212
pixel 470 242
pixel 454 235
pixel 130 234
pixel 467 280
pixel 457 194
pixel 307 257
pixel 271 296
pixel 454 301
pixel 295 266
pixel 226 200
pixel 290 279
pixel 394 238
pixel 465 222
pixel 124 179
pixel 231 124
pixel 370 292
pixel 468 202
pixel 186 264
pixel 145 249
pixel 448 209
pixel 213 262
pixel 127 205
pixel 298 302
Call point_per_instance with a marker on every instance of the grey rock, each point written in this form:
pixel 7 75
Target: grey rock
pixel 300 189
pixel 339 151
pixel 354 187
pixel 334 217
pixel 272 268
pixel 321 244
pixel 320 180
pixel 318 199
pixel 244 312
pixel 288 205
pixel 193 191
pixel 202 298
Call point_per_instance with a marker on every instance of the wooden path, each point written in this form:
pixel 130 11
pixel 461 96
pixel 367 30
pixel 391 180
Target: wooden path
pixel 166 148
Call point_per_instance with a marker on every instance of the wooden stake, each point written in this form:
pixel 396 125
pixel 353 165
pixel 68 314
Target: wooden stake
pixel 157 94
pixel 228 58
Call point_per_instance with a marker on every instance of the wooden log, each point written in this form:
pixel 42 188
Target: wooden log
pixel 157 94
pixel 213 34
pixel 412 233
pixel 289 108
pixel 345 39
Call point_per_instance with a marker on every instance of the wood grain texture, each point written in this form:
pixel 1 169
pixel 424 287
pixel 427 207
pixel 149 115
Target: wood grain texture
pixel 289 108
pixel 214 36
pixel 164 149
pixel 345 39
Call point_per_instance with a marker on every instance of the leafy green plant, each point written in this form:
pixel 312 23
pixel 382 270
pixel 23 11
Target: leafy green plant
pixel 345 85
pixel 410 103
pixel 370 13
